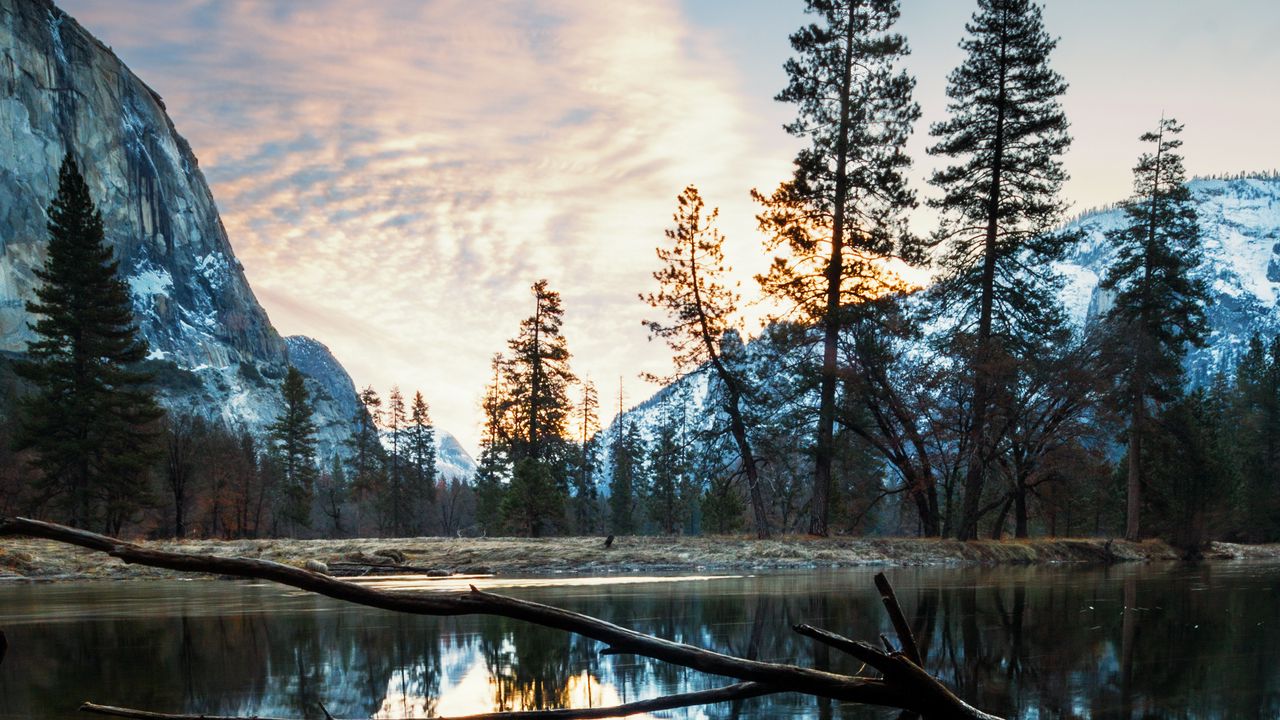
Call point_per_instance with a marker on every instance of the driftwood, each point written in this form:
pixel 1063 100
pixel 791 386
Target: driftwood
pixel 902 683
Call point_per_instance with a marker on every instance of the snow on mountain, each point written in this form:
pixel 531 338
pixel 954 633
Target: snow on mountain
pixel 453 462
pixel 1240 232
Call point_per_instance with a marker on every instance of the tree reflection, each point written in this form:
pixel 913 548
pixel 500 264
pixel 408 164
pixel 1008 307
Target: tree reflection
pixel 1126 642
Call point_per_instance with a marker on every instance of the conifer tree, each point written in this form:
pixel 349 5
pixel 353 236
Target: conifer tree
pixel 1006 133
pixel 366 460
pixel 668 467
pixel 1159 302
pixel 585 494
pixel 366 450
pixel 396 499
pixel 1194 469
pixel 628 479
pixel 420 444
pixel 1257 424
pixel 332 494
pixel 842 215
pixel 537 378
pixel 700 309
pixel 92 420
pixel 533 503
pixel 492 467
pixel 294 442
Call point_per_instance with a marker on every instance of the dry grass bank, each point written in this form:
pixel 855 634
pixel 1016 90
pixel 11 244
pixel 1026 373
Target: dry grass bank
pixel 42 560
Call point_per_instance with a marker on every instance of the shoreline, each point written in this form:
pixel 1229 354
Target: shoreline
pixel 48 561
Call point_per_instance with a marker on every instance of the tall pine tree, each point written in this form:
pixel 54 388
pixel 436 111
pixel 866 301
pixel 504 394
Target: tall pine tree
pixel 537 378
pixel 842 215
pixel 493 466
pixel 91 421
pixel 420 448
pixel 700 309
pixel 1159 302
pixel 1006 134
pixel 294 444
pixel 396 500
pixel 585 493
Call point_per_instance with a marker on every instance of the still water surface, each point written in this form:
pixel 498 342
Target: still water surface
pixel 1199 641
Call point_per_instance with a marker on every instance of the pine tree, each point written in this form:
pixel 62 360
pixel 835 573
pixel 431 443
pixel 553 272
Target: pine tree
pixel 294 444
pixel 91 421
pixel 532 504
pixel 1194 471
pixel 668 468
pixel 396 498
pixel 492 468
pixel 585 494
pixel 537 378
pixel 1257 423
pixel 999 204
pixel 628 479
pixel 1159 302
pixel 842 215
pixel 366 457
pixel 421 455
pixel 700 310
pixel 332 494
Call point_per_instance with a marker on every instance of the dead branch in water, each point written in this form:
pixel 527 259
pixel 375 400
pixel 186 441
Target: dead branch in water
pixel 903 684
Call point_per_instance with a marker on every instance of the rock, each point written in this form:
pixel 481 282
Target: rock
pixel 317 566
pixel 214 352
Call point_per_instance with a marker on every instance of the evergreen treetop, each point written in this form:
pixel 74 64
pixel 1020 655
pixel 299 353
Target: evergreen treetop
pixel 1005 134
pixel 1160 299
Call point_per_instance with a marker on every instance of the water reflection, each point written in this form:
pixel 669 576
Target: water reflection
pixel 1128 642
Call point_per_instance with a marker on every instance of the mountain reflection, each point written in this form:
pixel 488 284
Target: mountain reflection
pixel 1195 642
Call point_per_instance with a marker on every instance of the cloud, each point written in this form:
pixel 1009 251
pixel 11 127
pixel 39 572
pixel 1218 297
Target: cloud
pixel 395 175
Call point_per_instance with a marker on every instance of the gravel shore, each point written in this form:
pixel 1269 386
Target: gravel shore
pixel 22 559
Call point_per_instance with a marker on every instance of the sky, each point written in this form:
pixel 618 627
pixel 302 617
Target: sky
pixel 395 174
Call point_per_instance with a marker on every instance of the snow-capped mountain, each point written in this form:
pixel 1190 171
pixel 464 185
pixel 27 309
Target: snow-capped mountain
pixel 1240 232
pixel 453 462
pixel 213 349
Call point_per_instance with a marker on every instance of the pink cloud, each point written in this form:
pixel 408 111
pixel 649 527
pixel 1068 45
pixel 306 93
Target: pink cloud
pixel 394 177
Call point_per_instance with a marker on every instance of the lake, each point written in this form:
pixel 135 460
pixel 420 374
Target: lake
pixel 1129 641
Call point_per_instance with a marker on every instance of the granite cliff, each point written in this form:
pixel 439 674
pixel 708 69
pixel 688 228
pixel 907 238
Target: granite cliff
pixel 213 348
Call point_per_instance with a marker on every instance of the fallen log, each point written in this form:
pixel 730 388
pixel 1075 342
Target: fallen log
pixel 903 684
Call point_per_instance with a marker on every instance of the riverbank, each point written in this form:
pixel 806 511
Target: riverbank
pixel 44 560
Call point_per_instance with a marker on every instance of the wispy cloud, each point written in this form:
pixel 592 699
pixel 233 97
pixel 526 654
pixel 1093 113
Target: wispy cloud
pixel 394 175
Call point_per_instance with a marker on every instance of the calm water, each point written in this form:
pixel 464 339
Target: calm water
pixel 1196 642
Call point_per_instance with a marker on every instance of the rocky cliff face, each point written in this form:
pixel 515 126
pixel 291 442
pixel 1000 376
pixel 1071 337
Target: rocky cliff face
pixel 212 345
